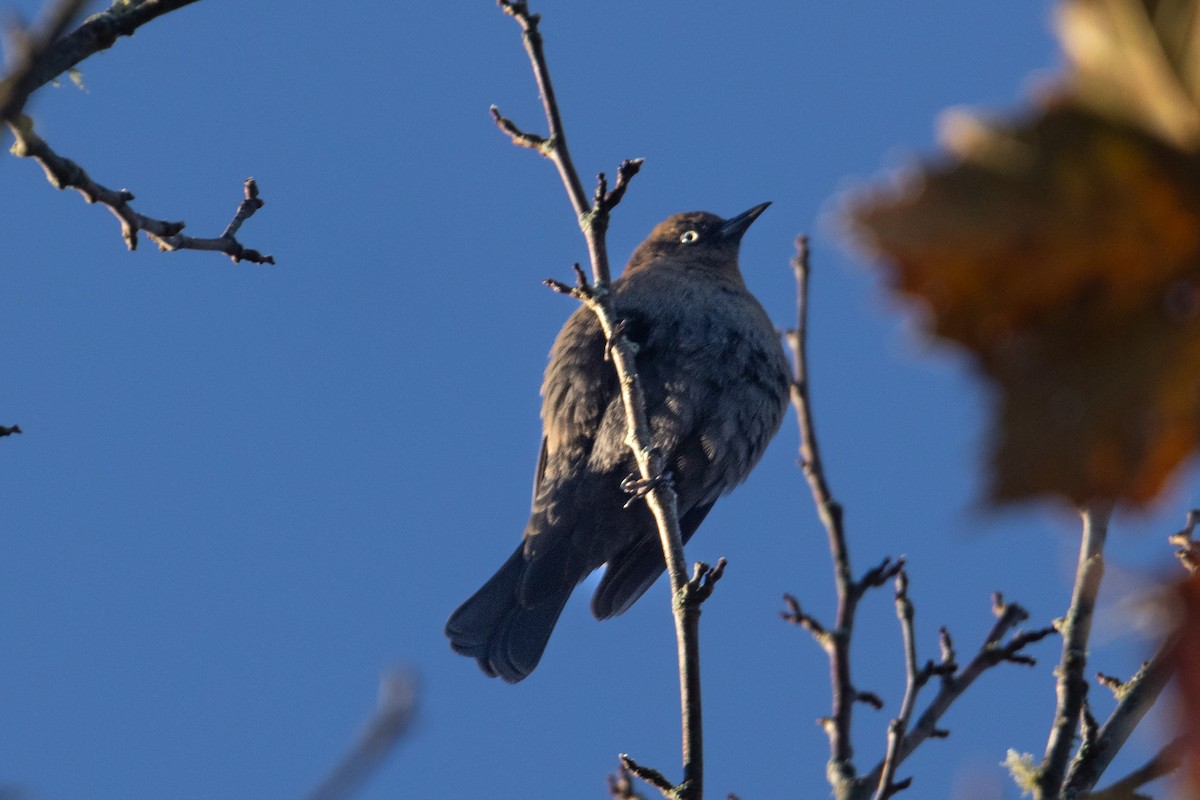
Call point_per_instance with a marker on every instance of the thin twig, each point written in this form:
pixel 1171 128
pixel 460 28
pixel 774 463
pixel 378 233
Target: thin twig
pixel 1189 549
pixel 620 785
pixel 797 616
pixel 914 679
pixel 649 775
pixel 9 430
pixel 227 242
pixel 840 769
pixel 63 173
pixel 660 497
pixel 955 682
pixel 397 705
pixel 1072 686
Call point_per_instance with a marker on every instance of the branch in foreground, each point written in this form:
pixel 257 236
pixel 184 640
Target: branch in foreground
pixel 1134 696
pixel 29 51
pixel 658 492
pixel 397 705
pixel 1072 687
pixel 99 32
pixel 63 173
pixel 1134 699
pixel 1164 763
pixel 9 430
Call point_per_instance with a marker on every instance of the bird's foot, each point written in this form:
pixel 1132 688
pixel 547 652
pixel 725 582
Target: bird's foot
pixel 638 487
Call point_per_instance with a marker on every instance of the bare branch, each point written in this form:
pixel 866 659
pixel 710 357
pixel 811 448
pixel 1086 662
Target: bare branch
pixel 1113 684
pixel 554 146
pixel 878 576
pixel 29 53
pixel 519 137
pixel 1072 686
pixel 99 32
pixel 1189 550
pixel 63 173
pixel 397 704
pixel 1134 699
pixel 840 770
pixel 620 785
pixel 1164 762
pixel 953 684
pixel 796 616
pixel 625 172
pixel 704 579
pixel 653 482
pixel 913 680
pixel 949 658
pixel 9 430
pixel 650 776
pixel 226 243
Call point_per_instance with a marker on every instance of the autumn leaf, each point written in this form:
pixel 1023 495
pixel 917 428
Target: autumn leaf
pixel 1138 61
pixel 1062 250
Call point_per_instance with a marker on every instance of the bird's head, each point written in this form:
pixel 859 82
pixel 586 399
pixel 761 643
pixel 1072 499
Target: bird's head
pixel 698 237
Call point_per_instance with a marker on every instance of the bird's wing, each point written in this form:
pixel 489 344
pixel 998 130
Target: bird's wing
pixel 541 470
pixel 580 386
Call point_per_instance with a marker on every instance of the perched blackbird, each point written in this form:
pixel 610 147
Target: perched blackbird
pixel 716 384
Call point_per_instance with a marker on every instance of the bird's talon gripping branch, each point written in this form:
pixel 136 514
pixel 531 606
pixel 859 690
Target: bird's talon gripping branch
pixel 617 332
pixel 638 487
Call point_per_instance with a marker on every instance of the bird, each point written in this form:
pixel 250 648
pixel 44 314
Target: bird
pixel 715 380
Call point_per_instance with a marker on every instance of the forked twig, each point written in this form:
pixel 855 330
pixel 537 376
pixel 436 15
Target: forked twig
pixel 880 783
pixel 63 173
pixel 42 56
pixel 836 641
pixel 1072 686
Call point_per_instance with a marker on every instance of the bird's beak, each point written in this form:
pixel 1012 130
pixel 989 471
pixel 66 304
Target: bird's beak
pixel 736 226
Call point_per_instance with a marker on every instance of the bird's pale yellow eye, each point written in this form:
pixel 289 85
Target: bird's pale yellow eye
pixel 689 237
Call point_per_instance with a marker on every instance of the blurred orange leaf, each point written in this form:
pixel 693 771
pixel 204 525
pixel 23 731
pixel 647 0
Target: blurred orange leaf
pixel 1137 60
pixel 1063 251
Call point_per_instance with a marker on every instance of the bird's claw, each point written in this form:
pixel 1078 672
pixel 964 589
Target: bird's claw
pixel 618 330
pixel 638 487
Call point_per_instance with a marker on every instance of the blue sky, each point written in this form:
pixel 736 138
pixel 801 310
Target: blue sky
pixel 243 493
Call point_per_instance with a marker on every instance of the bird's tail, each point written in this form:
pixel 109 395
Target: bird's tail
pixel 505 637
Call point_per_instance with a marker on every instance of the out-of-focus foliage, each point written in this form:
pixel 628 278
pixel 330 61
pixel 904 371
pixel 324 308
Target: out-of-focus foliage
pixel 1062 249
